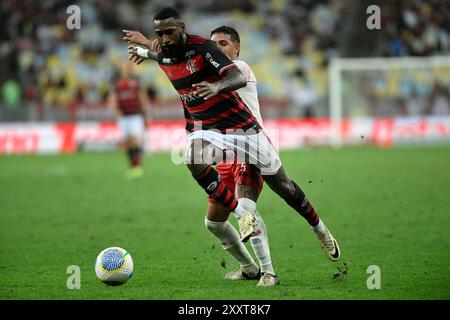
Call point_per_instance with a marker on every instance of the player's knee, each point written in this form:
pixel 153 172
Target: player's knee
pixel 247 204
pixel 217 213
pixel 213 225
pixel 196 169
pixel 134 142
pixel 194 153
pixel 208 224
pixel 193 160
pixel 202 153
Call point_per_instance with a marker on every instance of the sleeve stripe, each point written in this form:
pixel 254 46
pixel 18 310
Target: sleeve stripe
pixel 226 68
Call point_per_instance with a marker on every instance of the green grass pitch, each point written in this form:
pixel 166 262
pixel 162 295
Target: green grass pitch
pixel 389 208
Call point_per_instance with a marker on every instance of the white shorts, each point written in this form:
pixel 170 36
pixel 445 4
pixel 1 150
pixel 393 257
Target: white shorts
pixel 255 149
pixel 132 125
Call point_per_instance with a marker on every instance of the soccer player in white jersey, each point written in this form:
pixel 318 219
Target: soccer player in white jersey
pixel 244 179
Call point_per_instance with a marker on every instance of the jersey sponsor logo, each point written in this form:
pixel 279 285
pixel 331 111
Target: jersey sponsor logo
pixel 190 65
pixel 187 97
pixel 211 60
pixel 166 60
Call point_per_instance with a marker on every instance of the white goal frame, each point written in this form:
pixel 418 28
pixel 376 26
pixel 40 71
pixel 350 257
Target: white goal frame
pixel 338 65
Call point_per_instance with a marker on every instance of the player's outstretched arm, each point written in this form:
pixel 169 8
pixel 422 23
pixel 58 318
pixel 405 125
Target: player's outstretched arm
pixel 136 41
pixel 233 79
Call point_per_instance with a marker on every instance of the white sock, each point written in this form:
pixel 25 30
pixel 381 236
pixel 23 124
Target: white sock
pixel 231 242
pixel 259 242
pixel 244 205
pixel 319 228
pixel 260 245
pixel 238 210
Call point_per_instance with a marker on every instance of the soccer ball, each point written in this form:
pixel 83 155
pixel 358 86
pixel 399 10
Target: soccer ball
pixel 114 266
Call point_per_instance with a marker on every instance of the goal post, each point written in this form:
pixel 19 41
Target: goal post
pixel 354 83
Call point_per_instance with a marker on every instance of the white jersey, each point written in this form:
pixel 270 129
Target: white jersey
pixel 249 93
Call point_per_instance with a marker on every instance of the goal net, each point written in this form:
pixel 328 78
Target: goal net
pixel 390 101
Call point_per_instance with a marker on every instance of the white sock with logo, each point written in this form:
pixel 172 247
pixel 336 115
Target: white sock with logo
pixel 260 245
pixel 260 241
pixel 231 242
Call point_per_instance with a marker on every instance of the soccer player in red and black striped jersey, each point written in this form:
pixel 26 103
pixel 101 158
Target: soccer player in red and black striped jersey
pixel 129 102
pixel 218 119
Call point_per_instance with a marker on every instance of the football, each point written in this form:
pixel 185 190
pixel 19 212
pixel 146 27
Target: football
pixel 114 266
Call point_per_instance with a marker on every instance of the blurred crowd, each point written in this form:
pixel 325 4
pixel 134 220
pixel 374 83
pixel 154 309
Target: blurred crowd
pixel 50 72
pixel 418 28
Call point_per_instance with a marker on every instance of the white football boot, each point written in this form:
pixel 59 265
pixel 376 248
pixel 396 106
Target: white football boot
pixel 268 280
pixel 329 244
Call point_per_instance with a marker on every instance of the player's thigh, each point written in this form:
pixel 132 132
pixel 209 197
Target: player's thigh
pixel 194 151
pixel 136 130
pixel 256 149
pixel 248 181
pixel 245 191
pixel 134 141
pixel 123 127
pixel 200 154
pixel 217 212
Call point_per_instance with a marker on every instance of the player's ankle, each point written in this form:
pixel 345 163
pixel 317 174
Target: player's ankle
pixel 250 269
pixel 268 268
pixel 319 228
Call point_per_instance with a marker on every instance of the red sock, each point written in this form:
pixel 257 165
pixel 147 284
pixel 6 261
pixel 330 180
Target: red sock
pixel 136 160
pixel 134 155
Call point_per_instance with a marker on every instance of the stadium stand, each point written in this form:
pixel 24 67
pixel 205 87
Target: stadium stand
pixel 52 73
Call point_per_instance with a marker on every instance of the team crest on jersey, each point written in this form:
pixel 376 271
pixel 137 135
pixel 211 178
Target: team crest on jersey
pixel 190 65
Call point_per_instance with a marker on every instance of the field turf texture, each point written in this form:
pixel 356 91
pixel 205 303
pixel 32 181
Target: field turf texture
pixel 386 207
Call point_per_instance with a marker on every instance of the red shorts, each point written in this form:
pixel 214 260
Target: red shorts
pixel 236 173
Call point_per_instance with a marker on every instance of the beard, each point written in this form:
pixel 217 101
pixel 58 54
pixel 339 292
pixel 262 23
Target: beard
pixel 173 50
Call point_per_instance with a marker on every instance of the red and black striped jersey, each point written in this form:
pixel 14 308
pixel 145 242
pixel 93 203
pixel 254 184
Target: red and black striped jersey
pixel 201 60
pixel 127 91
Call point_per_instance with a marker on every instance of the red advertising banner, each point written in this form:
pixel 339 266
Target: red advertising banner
pixel 30 138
